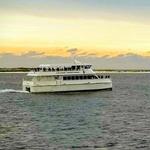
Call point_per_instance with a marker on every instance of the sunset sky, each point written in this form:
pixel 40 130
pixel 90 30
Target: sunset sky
pixel 96 28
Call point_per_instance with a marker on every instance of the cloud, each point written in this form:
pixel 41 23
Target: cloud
pixel 29 59
pixel 87 54
pixel 33 59
pixel 126 61
pixel 33 54
pixel 72 50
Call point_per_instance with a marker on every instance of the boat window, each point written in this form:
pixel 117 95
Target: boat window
pixel 81 77
pixel 87 67
pixel 107 77
pixel 28 78
pixel 77 77
pixel 36 69
pixel 93 77
pixel 90 77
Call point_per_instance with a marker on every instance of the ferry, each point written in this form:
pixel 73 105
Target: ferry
pixel 65 78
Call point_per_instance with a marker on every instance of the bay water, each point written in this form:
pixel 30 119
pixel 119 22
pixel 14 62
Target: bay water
pixel 102 120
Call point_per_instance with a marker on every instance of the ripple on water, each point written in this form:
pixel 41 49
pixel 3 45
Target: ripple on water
pixel 117 119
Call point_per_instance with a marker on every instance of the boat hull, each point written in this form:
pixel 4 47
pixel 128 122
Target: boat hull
pixel 68 87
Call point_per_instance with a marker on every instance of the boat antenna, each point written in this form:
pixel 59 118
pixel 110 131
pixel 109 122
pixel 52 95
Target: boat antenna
pixel 73 55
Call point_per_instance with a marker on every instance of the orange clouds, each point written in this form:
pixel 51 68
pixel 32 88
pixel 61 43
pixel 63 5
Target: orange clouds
pixel 22 33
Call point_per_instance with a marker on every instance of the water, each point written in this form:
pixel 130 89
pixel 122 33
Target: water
pixel 105 120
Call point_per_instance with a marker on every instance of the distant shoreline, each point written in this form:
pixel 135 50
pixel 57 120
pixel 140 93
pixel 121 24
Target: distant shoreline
pixel 13 72
pixel 25 70
pixel 21 69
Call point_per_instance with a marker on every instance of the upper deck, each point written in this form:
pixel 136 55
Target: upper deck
pixel 47 70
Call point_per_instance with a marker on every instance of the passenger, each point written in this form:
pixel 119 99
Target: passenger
pixel 57 69
pixel 44 69
pixel 49 69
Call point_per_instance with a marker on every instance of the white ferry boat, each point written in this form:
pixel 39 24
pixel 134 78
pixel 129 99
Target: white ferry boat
pixel 65 78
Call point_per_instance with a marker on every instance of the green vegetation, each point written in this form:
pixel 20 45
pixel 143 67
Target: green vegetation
pixel 20 69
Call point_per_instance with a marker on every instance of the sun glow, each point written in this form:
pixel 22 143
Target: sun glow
pixel 22 33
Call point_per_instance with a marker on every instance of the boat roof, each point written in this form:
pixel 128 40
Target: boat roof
pixel 62 65
pixel 58 74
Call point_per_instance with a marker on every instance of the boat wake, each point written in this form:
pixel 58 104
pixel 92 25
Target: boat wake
pixel 12 91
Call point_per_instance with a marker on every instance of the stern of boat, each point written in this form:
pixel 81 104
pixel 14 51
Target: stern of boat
pixel 27 84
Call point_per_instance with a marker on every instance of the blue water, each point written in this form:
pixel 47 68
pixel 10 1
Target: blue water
pixel 118 119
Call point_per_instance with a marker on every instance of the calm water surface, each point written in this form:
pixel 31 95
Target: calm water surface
pixel 104 120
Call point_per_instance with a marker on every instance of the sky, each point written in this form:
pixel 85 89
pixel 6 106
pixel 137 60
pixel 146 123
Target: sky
pixel 108 33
